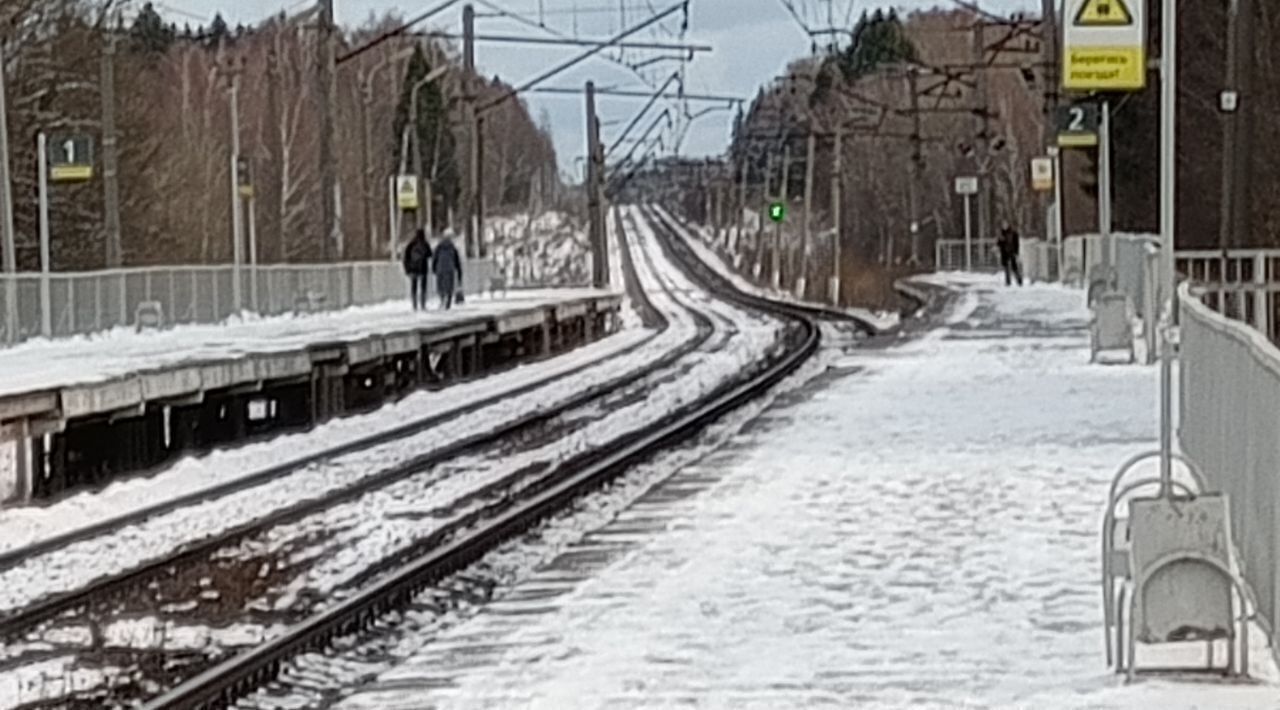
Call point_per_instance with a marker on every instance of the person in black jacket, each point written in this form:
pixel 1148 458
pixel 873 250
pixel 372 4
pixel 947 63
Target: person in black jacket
pixel 448 270
pixel 1009 245
pixel 417 266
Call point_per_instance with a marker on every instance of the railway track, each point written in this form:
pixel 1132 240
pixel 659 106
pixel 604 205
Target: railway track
pixel 105 590
pixel 473 521
pixel 222 684
pixel 192 573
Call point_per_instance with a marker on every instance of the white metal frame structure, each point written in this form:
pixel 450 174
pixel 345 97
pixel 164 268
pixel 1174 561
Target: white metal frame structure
pixel 1182 572
pixel 1115 543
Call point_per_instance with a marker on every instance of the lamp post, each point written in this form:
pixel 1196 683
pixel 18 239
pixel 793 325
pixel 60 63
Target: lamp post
pixel 371 224
pixel 425 214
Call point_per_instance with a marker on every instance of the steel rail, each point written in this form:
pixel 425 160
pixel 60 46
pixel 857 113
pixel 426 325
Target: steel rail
pixel 16 556
pixel 222 685
pixel 20 621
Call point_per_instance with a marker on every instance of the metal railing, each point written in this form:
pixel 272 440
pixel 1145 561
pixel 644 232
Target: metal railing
pixel 92 301
pixel 1039 259
pixel 949 255
pixel 1229 409
pixel 1240 284
pixel 1136 273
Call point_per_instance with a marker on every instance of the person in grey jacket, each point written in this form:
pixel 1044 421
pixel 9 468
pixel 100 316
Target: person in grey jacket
pixel 447 266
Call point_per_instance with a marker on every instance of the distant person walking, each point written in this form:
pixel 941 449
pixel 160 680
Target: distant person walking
pixel 448 270
pixel 417 266
pixel 1009 245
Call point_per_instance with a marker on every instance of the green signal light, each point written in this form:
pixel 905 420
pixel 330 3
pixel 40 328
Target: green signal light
pixel 777 211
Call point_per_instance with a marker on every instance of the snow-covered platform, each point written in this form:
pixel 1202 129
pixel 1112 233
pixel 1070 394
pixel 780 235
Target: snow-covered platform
pixel 125 375
pixel 916 528
pixel 119 368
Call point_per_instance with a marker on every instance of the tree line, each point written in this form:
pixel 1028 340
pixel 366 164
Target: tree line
pixel 911 119
pixel 959 130
pixel 173 123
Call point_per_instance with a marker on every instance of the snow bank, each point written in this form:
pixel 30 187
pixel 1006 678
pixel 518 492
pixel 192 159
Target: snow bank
pixel 546 250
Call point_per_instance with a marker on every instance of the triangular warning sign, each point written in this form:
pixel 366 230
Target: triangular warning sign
pixel 1104 13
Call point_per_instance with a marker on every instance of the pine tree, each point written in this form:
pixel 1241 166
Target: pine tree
pixel 218 31
pixel 149 32
pixel 434 135
pixel 878 39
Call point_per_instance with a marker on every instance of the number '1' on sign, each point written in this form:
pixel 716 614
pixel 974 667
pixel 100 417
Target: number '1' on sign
pixel 70 159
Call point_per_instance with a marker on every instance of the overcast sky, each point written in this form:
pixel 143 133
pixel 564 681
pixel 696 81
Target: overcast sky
pixel 753 40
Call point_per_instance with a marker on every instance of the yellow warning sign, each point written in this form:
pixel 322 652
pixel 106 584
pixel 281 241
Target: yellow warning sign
pixel 1104 45
pixel 407 192
pixel 1104 13
pixel 1104 68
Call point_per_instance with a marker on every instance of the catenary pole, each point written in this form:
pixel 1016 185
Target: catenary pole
pixel 7 240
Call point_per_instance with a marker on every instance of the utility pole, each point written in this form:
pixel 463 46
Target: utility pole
pixel 1105 194
pixel 479 151
pixel 46 259
pixel 766 196
pixel 776 278
pixel 917 165
pixel 837 196
pixel 275 142
pixel 1168 228
pixel 1050 49
pixel 742 200
pixel 253 254
pixel 1050 46
pixel 595 220
pixel 6 220
pixel 982 149
pixel 802 281
pixel 1237 133
pixel 110 155
pixel 471 137
pixel 237 255
pixel 366 191
pixel 327 77
pixel 423 216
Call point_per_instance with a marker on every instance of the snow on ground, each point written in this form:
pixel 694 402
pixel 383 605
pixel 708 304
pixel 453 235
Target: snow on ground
pixel 546 250
pixel 46 364
pixel 82 562
pixel 52 678
pixel 368 528
pixel 920 531
pixel 20 526
pixel 879 320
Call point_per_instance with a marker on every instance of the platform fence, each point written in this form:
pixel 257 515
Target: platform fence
pixel 80 303
pixel 1229 418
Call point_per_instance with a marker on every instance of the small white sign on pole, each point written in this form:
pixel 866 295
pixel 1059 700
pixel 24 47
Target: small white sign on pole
pixel 1042 174
pixel 967 185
